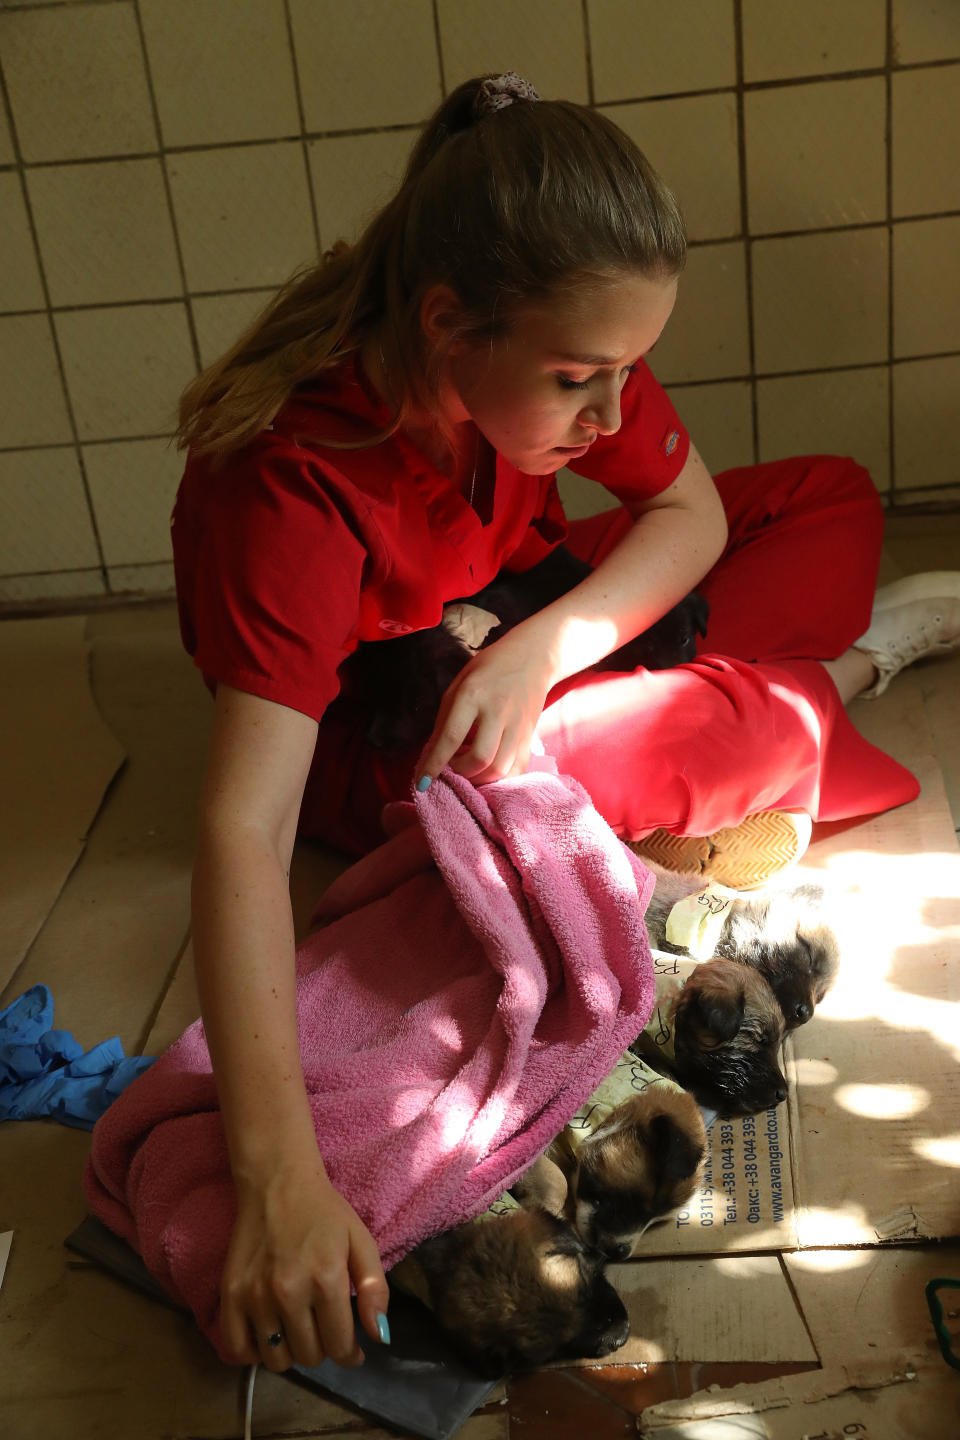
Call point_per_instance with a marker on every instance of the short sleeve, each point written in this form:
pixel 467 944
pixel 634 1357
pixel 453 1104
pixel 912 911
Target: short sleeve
pixel 648 451
pixel 269 565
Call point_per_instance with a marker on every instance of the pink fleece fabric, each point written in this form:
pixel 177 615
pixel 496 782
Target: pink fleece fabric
pixel 475 979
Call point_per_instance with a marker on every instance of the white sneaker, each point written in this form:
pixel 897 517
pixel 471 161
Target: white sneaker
pixel 911 619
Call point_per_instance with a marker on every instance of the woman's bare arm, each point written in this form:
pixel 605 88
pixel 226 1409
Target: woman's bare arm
pixel 296 1244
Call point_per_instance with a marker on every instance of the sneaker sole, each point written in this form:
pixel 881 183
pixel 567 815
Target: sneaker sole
pixel 741 857
pixel 932 585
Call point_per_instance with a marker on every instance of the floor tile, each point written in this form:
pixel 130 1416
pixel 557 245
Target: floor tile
pixel 557 1405
pixel 634 1387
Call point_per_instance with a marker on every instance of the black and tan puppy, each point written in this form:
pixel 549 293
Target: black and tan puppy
pixel 785 937
pixel 399 682
pixel 517 1290
pixel 720 1036
pixel 642 1164
pixel 783 933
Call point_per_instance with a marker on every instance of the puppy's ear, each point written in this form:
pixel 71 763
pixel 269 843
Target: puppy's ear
pixel 676 1152
pixel 543 1185
pixel 716 1001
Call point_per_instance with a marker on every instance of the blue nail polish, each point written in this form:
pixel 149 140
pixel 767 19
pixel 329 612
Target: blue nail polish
pixel 424 783
pixel 383 1326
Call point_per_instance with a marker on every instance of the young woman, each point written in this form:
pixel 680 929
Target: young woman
pixel 384 440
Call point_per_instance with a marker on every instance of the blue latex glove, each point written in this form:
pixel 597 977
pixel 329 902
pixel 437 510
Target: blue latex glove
pixel 46 1072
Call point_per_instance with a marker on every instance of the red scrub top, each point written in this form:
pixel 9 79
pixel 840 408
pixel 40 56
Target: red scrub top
pixel 291 552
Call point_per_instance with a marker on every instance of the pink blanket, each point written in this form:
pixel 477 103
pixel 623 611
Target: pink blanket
pixel 477 976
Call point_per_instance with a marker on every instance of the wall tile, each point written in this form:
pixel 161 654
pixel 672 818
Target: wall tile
pixel 63 585
pixel 142 579
pixel 20 286
pixel 820 300
pixel 707 337
pixel 77 82
pixel 219 320
pixel 221 71
pixel 119 242
pixel 33 408
pixel 926 146
pixel 125 367
pixel 926 286
pixel 657 47
pixel 839 412
pixel 816 155
pixel 543 40
pixel 133 486
pixel 47 522
pixel 243 214
pixel 354 176
pixel 692 143
pixel 369 63
pixel 719 420
pixel 925 423
pixel 925 30
pixel 819 37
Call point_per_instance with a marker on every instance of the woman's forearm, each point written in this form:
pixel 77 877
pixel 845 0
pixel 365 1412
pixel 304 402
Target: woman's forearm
pixel 244 955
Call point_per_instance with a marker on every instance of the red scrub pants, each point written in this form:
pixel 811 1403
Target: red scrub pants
pixel 754 723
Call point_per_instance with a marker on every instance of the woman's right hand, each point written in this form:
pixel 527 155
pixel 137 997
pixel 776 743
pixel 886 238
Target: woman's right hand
pixel 297 1245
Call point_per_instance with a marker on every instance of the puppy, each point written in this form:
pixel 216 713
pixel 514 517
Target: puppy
pixel 783 934
pixel 719 1034
pixel 400 682
pixel 644 1162
pixel 517 1290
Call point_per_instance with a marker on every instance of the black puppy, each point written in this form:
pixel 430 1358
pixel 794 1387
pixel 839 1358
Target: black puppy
pixel 399 682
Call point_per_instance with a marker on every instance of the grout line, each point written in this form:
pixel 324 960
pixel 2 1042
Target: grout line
pixel 588 54
pixel 745 228
pixel 888 188
pixel 304 141
pixel 184 296
pixel 438 41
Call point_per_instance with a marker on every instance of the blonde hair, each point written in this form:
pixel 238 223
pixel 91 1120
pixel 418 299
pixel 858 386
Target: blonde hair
pixel 506 209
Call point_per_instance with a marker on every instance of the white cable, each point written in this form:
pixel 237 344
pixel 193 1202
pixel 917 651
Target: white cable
pixel 248 1417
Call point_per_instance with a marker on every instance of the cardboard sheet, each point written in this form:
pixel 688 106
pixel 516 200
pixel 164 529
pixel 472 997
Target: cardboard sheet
pixel 872 1302
pixel 874 1113
pixel 57 758
pixel 735 1308
pixel 107 948
pixel 872 1404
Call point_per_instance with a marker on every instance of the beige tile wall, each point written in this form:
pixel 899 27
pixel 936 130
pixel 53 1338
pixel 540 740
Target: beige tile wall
pixel 164 164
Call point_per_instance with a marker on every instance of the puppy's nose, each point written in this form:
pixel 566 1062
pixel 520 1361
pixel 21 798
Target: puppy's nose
pixel 803 1012
pixel 617 1250
pixel 781 1093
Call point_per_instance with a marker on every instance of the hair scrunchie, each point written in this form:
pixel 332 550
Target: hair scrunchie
pixel 501 91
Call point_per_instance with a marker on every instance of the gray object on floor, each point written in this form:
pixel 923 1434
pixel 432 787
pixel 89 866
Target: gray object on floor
pixel 417 1382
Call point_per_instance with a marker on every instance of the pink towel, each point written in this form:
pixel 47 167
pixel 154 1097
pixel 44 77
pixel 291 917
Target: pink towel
pixel 488 965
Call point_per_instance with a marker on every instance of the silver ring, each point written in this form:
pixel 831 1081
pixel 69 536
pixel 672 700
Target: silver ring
pixel 275 1339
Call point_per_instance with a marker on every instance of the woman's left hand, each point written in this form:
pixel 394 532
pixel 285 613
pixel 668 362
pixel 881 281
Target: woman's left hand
pixel 491 710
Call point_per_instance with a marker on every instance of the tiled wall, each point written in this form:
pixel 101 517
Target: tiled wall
pixel 165 163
